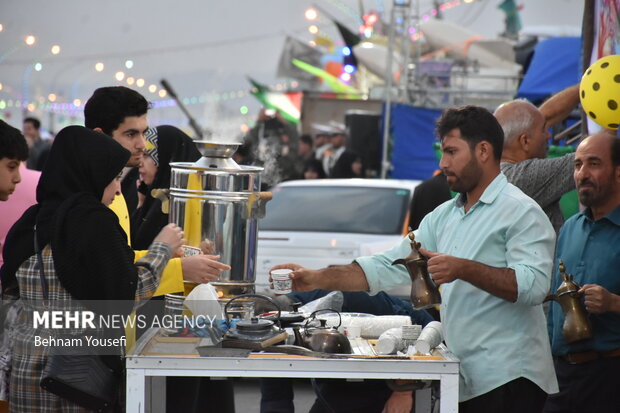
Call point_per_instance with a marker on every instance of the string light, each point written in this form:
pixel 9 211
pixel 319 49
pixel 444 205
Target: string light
pixel 55 49
pixel 130 80
pixel 152 88
pixel 313 29
pixel 99 67
pixel 30 40
pixel 51 97
pixel 140 82
pixel 128 64
pixel 119 76
pixel 31 107
pixel 1 86
pixel 311 14
pixel 1 28
pixel 38 66
pixel 162 93
pixel 77 102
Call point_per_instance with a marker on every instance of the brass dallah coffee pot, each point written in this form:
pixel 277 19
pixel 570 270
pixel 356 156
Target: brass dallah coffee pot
pixel 424 292
pixel 576 326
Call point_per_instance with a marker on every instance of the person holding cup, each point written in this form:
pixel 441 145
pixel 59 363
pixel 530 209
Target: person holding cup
pixel 84 255
pixel 491 249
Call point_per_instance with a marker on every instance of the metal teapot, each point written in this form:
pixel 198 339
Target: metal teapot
pixel 322 339
pixel 253 329
pixel 424 292
pixel 576 326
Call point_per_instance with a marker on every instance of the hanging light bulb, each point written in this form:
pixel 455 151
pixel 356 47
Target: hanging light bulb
pixel 311 14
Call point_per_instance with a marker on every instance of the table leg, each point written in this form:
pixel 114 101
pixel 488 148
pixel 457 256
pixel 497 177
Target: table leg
pixel 449 393
pixel 135 391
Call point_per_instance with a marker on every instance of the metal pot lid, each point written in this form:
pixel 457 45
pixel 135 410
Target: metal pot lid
pixel 254 325
pixel 210 149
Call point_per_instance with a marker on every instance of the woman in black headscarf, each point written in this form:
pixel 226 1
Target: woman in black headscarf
pixel 166 144
pixel 84 252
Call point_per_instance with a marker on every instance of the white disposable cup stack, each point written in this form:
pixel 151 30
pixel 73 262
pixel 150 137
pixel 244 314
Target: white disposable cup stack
pixel 390 341
pixel 430 337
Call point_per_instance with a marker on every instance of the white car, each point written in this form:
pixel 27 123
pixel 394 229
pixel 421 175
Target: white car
pixel 318 223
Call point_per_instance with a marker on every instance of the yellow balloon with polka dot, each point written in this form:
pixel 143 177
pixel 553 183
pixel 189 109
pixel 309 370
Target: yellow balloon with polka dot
pixel 599 91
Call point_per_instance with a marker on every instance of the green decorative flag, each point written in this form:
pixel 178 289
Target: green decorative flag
pixel 288 104
pixel 332 81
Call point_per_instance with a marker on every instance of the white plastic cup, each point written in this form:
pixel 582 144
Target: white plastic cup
pixel 189 251
pixel 282 282
pixel 430 337
pixel 352 332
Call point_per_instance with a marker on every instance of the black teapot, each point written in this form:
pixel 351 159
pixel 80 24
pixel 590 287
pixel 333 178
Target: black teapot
pixel 322 338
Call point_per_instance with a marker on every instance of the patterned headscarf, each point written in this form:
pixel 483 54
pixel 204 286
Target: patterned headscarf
pixel 152 145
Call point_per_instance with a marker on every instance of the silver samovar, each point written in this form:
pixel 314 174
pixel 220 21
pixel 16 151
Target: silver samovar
pixel 217 203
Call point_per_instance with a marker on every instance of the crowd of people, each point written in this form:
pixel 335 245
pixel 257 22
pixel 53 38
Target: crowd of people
pixel 489 224
pixel 275 144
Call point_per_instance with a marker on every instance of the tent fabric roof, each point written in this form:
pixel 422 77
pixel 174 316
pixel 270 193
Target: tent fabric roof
pixel 555 66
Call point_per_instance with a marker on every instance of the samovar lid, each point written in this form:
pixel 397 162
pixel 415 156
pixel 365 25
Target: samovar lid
pixel 210 149
pixel 217 155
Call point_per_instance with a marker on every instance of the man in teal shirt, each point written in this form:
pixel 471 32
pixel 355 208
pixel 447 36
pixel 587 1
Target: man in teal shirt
pixel 491 249
pixel 589 245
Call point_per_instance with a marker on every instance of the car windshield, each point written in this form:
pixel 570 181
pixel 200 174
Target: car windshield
pixel 337 209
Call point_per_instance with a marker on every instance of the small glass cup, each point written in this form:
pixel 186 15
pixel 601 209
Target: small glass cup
pixel 174 304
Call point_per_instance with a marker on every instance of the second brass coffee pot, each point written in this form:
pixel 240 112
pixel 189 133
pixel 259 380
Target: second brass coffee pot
pixel 576 325
pixel 424 292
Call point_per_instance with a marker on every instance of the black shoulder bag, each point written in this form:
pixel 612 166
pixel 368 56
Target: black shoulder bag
pixel 82 379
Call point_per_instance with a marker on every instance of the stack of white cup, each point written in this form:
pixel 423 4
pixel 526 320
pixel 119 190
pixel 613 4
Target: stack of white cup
pixel 430 337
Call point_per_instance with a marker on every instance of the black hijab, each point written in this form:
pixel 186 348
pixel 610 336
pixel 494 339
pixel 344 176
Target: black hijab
pixel 89 248
pixel 167 144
